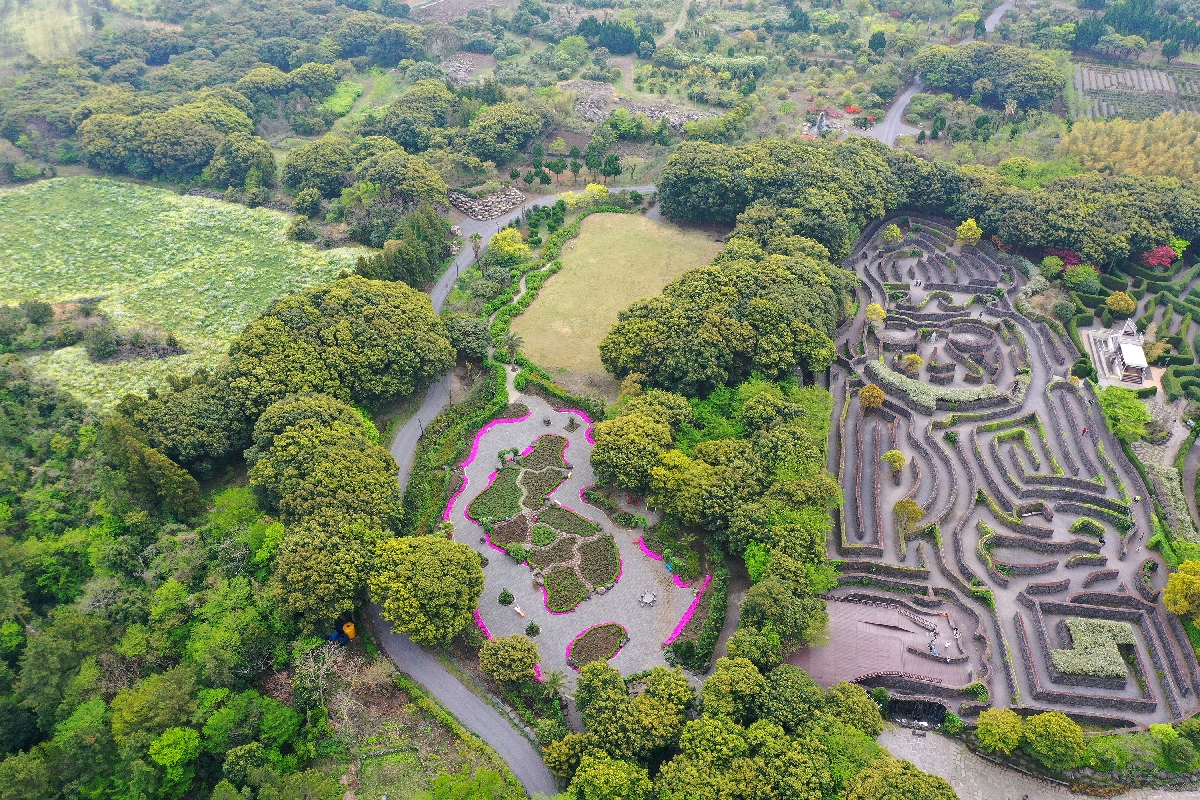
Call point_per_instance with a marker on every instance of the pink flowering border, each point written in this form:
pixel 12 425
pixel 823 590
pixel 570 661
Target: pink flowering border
pixel 471 458
pixel 587 433
pixel 584 632
pixel 687 615
pixel 646 550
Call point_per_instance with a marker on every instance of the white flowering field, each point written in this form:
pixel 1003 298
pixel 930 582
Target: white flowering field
pixel 200 268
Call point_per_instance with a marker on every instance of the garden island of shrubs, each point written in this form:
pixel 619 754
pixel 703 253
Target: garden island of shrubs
pixel 861 398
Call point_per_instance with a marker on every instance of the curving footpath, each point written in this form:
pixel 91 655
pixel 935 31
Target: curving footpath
pixel 412 659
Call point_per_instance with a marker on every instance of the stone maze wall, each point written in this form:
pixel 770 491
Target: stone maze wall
pixel 1029 518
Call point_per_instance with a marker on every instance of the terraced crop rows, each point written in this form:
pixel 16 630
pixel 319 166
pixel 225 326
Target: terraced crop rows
pixel 1029 521
pixel 1137 93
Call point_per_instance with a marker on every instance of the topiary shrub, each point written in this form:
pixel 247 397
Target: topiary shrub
pixel 506 597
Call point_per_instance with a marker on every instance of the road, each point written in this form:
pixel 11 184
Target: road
pixel 470 710
pixel 409 657
pixel 893 125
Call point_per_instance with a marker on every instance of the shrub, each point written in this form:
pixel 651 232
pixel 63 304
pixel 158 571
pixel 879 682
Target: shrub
pixel 952 724
pixel 1051 267
pixel 1083 279
pixel 509 659
pixel 307 202
pixel 1163 256
pixel 532 629
pixel 999 730
pixel 871 396
pixel 1179 754
pixel 1064 310
pixel 1121 304
pixel 499 501
pixel 506 597
pixel 1095 650
pixel 1055 740
pixel 517 552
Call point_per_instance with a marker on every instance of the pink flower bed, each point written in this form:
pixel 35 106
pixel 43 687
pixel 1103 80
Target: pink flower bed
pixel 687 615
pixel 649 553
pixel 587 434
pixel 679 581
pixel 474 452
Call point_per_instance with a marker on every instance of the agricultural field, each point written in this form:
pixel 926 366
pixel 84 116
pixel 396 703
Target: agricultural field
pixel 615 260
pixel 199 268
pixel 1102 91
pixel 44 28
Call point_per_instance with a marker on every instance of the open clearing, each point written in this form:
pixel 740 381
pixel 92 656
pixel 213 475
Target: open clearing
pixel 199 268
pixel 616 259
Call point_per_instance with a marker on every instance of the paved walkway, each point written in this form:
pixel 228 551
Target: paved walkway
pixel 468 708
pixel 648 626
pixel 975 778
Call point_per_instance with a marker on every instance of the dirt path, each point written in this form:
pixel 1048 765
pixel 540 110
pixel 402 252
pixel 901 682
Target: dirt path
pixel 625 63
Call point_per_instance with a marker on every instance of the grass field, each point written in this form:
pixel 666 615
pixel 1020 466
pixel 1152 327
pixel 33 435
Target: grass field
pixel 200 268
pixel 44 28
pixel 616 259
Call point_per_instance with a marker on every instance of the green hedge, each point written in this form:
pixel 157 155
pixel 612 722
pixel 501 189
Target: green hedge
pixel 1148 391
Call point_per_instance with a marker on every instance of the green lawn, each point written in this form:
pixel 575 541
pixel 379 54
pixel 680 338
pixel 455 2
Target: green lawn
pixel 616 259
pixel 200 268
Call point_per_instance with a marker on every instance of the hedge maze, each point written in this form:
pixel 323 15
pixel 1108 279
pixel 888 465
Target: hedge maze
pixel 1029 527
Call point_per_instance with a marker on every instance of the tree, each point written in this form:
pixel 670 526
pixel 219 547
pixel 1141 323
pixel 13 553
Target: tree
pixel 507 248
pixel 469 335
pixel 908 513
pixel 476 241
pixel 158 702
pixel 851 704
pixel 317 165
pixel 175 750
pixel 912 364
pixel 611 167
pixel 871 396
pixel 895 459
pixel 554 683
pixel 878 41
pixel 969 233
pixel 428 586
pixel 238 156
pixel 1125 413
pixel 762 649
pixel 1121 304
pixel 1054 739
pixel 498 131
pixel 875 313
pixel 627 448
pixel 1182 595
pixel 509 659
pixel 322 567
pixel 512 343
pixel 735 690
pixel 1160 257
pixel 999 730
pixel 1171 49
pixel 600 777
pixel 175 144
pixel 793 697
pixel 893 779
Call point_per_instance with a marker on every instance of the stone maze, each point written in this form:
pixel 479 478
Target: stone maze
pixel 1019 573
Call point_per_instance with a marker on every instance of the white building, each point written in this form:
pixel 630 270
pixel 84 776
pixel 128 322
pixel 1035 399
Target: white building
pixel 1119 354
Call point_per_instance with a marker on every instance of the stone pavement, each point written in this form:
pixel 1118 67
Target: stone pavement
pixel 648 626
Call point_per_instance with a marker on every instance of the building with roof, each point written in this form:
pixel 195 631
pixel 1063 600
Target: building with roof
pixel 1119 354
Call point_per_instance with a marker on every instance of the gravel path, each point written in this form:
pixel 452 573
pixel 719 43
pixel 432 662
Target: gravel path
pixel 470 710
pixel 648 626
pixel 975 778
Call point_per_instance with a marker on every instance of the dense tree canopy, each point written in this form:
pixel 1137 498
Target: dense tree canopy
pixel 998 73
pixel 428 586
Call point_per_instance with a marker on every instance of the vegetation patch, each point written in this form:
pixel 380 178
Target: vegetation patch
pixel 564 589
pixel 567 521
pixel 543 535
pixel 499 501
pixel 1096 648
pixel 600 563
pixel 597 643
pixel 616 259
pixel 510 531
pixel 538 485
pixel 197 268
pixel 561 552
pixel 547 452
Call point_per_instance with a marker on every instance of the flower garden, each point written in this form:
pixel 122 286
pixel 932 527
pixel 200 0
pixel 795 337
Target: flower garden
pixel 554 559
pixel 1011 534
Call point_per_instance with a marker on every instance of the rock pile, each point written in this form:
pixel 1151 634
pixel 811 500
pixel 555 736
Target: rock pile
pixel 490 207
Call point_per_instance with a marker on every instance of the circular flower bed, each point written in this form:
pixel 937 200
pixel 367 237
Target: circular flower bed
pixel 597 643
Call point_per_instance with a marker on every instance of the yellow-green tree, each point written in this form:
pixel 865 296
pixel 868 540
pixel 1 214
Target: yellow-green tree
pixel 509 659
pixel 1054 739
pixel 892 234
pixel 969 233
pixel 1121 304
pixel 908 513
pixel 428 586
pixel 895 459
pixel 507 248
pixel 871 396
pixel 999 730
pixel 875 313
pixel 1182 595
